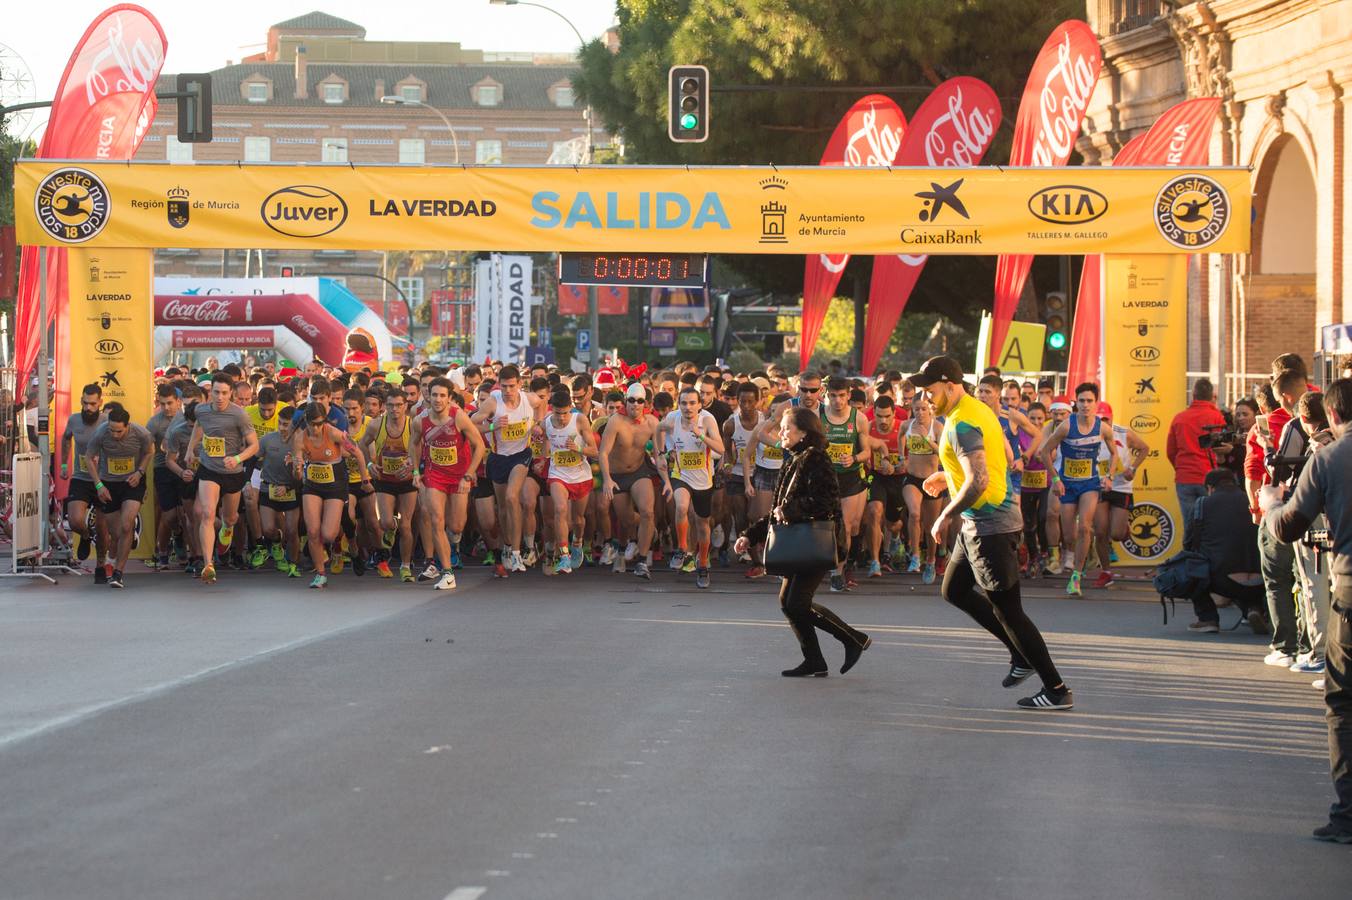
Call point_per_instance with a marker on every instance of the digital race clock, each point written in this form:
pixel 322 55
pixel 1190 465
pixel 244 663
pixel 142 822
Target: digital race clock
pixel 669 270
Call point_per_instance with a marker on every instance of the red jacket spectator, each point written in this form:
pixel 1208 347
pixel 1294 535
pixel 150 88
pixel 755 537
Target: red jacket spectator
pixel 1190 461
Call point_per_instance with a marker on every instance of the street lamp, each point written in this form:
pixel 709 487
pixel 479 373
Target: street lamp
pixel 580 42
pixel 404 101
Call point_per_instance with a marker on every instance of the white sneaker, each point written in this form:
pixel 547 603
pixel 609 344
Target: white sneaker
pixel 1317 684
pixel 718 536
pixel 446 583
pixel 1068 561
pixel 1278 658
pixel 608 554
pixel 631 551
pixel 617 567
pixel 518 564
pixel 530 559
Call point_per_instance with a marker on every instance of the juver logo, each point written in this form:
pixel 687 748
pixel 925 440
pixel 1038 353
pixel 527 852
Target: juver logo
pixel 304 211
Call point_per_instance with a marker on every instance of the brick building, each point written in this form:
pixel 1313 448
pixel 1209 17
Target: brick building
pixel 314 95
pixel 1282 69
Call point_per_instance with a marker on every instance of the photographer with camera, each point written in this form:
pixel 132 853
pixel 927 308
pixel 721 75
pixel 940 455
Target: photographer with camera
pixel 1190 457
pixel 1323 487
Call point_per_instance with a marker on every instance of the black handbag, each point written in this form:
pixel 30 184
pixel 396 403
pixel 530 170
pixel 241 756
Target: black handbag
pixel 797 548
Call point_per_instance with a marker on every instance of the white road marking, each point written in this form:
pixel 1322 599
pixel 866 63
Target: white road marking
pixel 467 893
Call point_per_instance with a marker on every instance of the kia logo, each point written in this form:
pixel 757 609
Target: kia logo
pixel 1145 353
pixel 108 347
pixel 1067 204
pixel 304 211
pixel 1145 423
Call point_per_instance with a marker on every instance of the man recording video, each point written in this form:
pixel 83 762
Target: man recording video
pixel 1323 487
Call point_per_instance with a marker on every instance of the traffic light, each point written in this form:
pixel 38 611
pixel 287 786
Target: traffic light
pixel 194 108
pixel 1056 316
pixel 688 104
pixel 288 271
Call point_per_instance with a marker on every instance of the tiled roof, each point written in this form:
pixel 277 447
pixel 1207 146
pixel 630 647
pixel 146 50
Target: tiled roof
pixel 320 20
pixel 448 86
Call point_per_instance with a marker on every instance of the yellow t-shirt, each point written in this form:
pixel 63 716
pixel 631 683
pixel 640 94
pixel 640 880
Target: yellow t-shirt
pixel 261 425
pixel 971 426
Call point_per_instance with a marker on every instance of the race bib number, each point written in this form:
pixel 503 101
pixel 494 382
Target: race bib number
pixel 392 465
pixel 214 447
pixel 281 493
pixel 565 458
pixel 320 473
pixel 79 464
pixel 918 445
pixel 690 460
pixel 353 474
pixel 773 453
pixel 1103 468
pixel 1035 480
pixel 514 431
pixel 537 449
pixel 445 456
pixel 841 454
pixel 121 465
pixel 1079 469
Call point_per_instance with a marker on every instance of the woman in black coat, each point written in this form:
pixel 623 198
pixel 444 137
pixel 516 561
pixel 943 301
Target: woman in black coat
pixel 807 490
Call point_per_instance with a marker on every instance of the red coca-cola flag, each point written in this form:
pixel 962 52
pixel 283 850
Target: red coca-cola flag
pixel 1049 120
pixel 953 128
pixel 868 135
pixel 1180 137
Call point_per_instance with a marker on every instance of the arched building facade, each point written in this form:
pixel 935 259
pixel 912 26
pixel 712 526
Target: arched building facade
pixel 1282 69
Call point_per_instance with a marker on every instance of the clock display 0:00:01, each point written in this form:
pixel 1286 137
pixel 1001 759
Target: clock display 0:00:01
pixel 656 269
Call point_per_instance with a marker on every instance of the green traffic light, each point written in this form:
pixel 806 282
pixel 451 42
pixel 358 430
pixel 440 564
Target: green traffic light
pixel 689 121
pixel 1056 340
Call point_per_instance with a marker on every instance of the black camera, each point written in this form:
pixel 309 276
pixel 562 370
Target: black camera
pixel 1214 435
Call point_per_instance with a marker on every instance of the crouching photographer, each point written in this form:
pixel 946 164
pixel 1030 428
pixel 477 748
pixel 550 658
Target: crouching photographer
pixel 1324 487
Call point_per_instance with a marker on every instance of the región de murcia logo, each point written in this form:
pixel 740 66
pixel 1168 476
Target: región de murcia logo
pixel 72 205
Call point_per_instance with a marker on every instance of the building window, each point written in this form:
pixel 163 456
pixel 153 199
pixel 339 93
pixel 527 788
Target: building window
pixel 413 290
pixel 489 95
pixel 411 92
pixel 333 93
pixel 412 150
pixel 257 149
pixel 258 92
pixel 563 96
pixel 488 152
pixel 334 150
pixel 176 152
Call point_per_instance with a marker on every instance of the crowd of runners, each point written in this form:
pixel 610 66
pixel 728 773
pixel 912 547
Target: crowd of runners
pixel 415 473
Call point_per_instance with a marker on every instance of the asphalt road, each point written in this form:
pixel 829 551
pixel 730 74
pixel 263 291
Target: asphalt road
pixel 592 736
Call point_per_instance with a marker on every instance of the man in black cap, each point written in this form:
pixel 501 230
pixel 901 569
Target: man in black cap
pixel 986 553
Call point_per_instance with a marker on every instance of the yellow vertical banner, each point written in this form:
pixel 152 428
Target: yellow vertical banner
pixel 1145 359
pixel 111 339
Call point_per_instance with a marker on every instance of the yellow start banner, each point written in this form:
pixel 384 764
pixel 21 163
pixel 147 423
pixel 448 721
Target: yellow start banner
pixel 980 211
pixel 111 339
pixel 1145 354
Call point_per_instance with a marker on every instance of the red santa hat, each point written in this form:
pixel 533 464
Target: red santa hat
pixel 604 380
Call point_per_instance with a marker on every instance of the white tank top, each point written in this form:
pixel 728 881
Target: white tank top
pixel 690 458
pixel 1120 484
pixel 515 435
pixel 566 462
pixel 740 438
pixel 918 443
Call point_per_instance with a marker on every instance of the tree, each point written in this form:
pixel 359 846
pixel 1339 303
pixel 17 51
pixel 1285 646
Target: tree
pixel 814 43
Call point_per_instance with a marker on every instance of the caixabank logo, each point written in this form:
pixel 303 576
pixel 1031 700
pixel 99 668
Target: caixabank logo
pixel 1150 531
pixel 72 205
pixel 1192 211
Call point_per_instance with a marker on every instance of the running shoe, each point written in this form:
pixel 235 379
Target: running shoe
pixel 292 571
pixel 1317 684
pixel 488 558
pixel 446 582
pixel 431 573
pixel 209 574
pixel 387 539
pixel 702 578
pixel 529 559
pixel 282 564
pixel 1017 675
pixel 116 582
pixel 383 569
pixel 455 558
pixel 499 571
pixel 82 548
pixel 164 562
pixel 875 570
pixel 894 548
pixel 755 572
pixel 641 570
pixel 1308 666
pixel 718 536
pixel 358 564
pixel 1073 586
pixel 406 575
pixel 913 564
pixel 608 554
pixel 336 563
pixel 677 558
pixel 1048 700
pixel 723 556
pixel 617 568
pixel 577 557
pixel 226 535
pixel 565 564
pixel 100 574
pixel 927 574
pixel 941 565
pixel 258 557
pixel 690 563
pixel 1204 627
pixel 191 569
pixel 849 581
pixel 1105 579
pixel 630 551
pixel 838 584
pixel 1332 834
pixel 278 554
pixel 1112 555
pixel 1053 566
pixel 320 580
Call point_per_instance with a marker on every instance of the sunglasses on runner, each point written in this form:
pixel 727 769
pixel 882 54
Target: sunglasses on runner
pixel 808 390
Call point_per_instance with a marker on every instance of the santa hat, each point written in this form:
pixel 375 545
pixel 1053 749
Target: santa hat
pixel 604 380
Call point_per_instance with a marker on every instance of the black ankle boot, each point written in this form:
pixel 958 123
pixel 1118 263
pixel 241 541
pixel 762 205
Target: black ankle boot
pixel 852 653
pixel 807 669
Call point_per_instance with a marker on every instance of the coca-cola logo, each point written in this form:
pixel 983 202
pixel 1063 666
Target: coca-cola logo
pixel 871 145
pixel 960 136
pixel 131 68
pixel 301 323
pixel 1063 100
pixel 177 310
